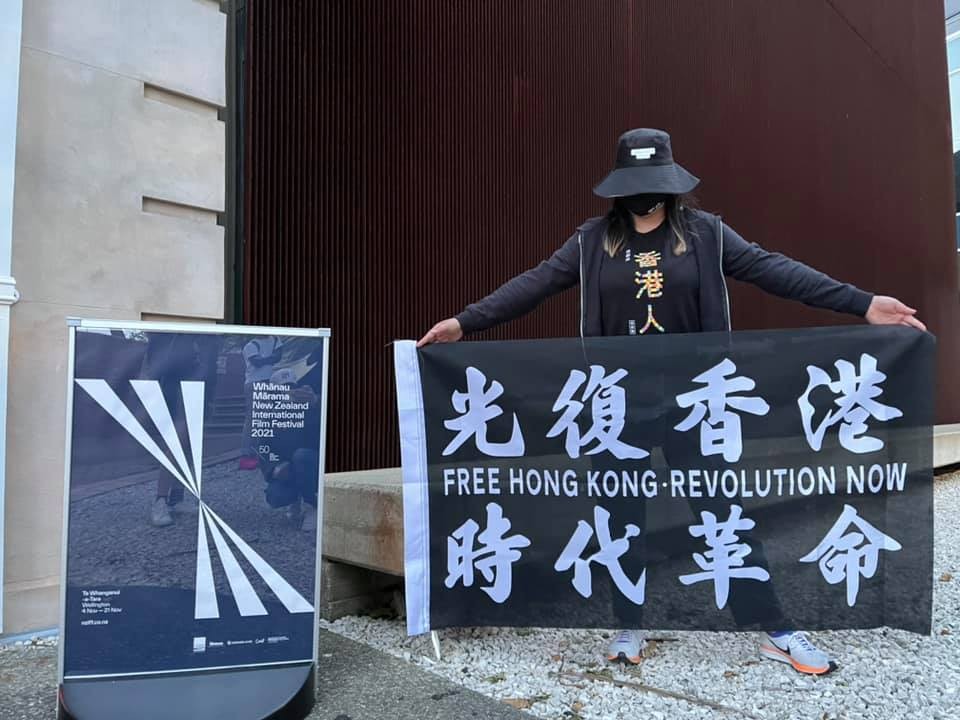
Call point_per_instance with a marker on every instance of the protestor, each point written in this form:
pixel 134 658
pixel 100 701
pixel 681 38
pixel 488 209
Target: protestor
pixel 170 359
pixel 293 478
pixel 656 264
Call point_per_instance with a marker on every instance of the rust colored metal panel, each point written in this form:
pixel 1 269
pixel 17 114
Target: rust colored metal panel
pixel 404 157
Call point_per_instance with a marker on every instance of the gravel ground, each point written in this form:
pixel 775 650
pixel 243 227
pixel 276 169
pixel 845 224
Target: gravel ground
pixel 28 680
pixel 562 674
pixel 105 527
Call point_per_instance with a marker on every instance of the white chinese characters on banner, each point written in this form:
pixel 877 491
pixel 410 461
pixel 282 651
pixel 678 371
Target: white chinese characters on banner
pixel 476 407
pixel 494 557
pixel 841 555
pixel 720 431
pixel 608 410
pixel 724 560
pixel 856 402
pixel 714 408
pixel 609 555
pixel 852 555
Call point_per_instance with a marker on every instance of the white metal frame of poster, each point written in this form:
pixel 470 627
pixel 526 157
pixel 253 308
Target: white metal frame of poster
pixel 192 520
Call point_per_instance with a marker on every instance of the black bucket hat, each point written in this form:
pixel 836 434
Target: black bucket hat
pixel 645 165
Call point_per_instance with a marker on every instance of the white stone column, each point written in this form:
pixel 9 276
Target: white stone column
pixel 11 24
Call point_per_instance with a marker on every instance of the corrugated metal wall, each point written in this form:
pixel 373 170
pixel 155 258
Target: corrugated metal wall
pixel 404 157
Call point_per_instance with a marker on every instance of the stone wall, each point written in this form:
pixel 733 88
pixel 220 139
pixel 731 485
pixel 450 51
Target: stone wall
pixel 119 179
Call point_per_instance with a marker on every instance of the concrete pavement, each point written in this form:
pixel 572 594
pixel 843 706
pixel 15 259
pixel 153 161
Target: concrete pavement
pixel 356 682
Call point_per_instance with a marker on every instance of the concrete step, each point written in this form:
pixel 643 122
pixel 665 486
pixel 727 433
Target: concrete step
pixel 216 423
pixel 350 590
pixel 363 519
pixel 222 428
pixel 946 445
pixel 229 412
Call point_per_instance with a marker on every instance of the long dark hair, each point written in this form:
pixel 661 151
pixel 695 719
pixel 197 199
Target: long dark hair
pixel 620 223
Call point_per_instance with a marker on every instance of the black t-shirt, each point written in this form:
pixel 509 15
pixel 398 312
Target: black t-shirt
pixel 645 288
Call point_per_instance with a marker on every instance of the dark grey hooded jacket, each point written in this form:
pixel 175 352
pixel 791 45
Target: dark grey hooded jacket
pixel 720 251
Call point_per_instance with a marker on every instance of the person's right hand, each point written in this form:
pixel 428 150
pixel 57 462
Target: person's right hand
pixel 445 331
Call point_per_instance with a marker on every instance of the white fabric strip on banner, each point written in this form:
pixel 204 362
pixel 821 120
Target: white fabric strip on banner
pixel 413 457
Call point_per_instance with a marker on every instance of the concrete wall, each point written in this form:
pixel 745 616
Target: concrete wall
pixel 119 176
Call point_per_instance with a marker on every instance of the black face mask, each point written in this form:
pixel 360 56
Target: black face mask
pixel 643 204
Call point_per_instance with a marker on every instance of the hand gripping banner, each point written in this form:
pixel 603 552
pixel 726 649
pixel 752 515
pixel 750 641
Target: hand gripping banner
pixel 754 480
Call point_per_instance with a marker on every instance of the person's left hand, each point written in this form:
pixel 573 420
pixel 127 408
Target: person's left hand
pixel 885 310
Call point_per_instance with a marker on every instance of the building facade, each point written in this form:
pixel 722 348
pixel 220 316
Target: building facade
pixel 404 159
pixel 117 186
pixel 393 161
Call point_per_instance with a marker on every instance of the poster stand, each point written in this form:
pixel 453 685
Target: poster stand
pixel 261 665
pixel 278 693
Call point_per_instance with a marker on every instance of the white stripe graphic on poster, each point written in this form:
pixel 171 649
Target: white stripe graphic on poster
pixel 206 606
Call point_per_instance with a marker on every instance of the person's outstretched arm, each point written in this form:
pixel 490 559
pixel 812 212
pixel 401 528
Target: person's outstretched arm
pixel 514 298
pixel 787 278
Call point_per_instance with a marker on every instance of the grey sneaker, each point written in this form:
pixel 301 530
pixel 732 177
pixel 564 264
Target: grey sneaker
pixel 294 513
pixel 796 650
pixel 627 647
pixel 309 521
pixel 160 513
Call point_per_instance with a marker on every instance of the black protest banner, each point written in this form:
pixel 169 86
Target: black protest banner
pixel 754 480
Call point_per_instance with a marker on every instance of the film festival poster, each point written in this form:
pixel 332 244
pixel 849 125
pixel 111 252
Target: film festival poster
pixel 223 576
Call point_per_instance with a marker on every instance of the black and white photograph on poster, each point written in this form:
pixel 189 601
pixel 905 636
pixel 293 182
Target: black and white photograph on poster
pixel 760 480
pixel 193 488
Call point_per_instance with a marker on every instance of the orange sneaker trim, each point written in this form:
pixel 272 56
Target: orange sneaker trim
pixel 635 660
pixel 799 667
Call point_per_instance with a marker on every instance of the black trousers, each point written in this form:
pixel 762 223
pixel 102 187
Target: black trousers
pixel 753 604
